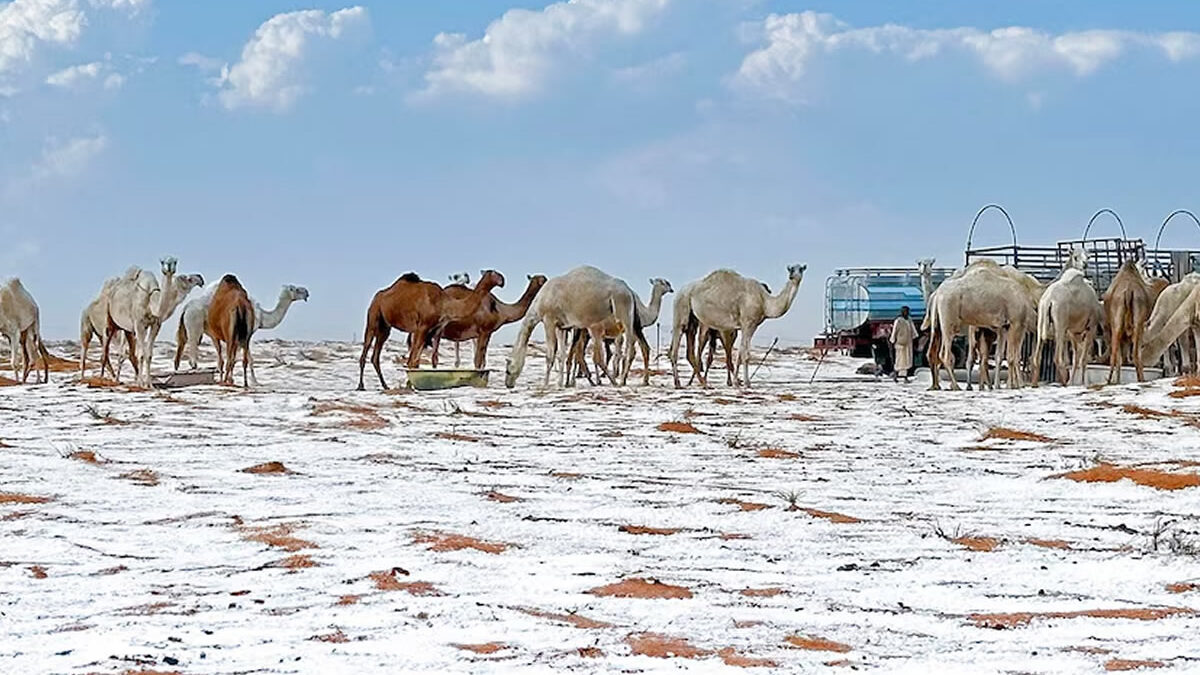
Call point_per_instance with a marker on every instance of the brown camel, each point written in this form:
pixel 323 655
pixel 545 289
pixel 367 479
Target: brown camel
pixel 231 319
pixel 420 308
pixel 1127 305
pixel 491 315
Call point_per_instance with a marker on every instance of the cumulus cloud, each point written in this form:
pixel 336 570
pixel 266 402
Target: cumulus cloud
pixel 793 41
pixel 651 72
pixel 81 76
pixel 272 72
pixel 519 51
pixel 29 25
pixel 68 158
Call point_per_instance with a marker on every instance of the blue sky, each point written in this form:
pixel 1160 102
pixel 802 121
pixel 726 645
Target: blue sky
pixel 338 146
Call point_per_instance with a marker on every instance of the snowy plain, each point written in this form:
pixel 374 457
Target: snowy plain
pixel 844 524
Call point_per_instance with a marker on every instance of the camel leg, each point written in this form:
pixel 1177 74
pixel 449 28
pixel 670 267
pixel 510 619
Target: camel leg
pixel 481 347
pixel 1013 340
pixel 698 365
pixel 973 339
pixel 1037 360
pixel 551 351
pixel 602 371
pixel 947 356
pixel 12 359
pixel 1138 326
pixel 673 353
pixel 693 356
pixel 246 365
pixel 27 361
pixel 645 347
pixel 381 335
pixel 1114 351
pixel 743 357
pixel 105 343
pixel 85 340
pixel 437 347
pixel 1064 371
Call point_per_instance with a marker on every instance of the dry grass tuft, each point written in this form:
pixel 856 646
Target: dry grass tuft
pixel 640 529
pixel 87 456
pixel 787 397
pixel 337 636
pixel 816 644
pixel 1007 434
pixel 268 467
pixel 678 428
pixel 590 652
pixel 663 646
pixel 1115 665
pixel 1019 619
pixel 348 599
pixel 38 572
pixel 442 542
pixel 1110 473
pixel 641 588
pixel 1183 587
pixel 276 536
pixel 574 619
pixel 143 477
pixel 18 498
pixel 451 436
pixel 485 648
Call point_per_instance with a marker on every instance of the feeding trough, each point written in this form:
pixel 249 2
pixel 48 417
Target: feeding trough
pixel 187 378
pixel 428 379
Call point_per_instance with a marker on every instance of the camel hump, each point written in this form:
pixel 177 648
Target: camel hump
pixel 410 277
pixel 230 280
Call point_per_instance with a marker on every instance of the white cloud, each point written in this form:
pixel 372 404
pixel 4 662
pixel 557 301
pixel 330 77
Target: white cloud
pixel 271 73
pixel 651 72
pixel 69 158
pixel 205 64
pixel 130 6
pixel 84 75
pixel 519 51
pixel 28 25
pixel 793 41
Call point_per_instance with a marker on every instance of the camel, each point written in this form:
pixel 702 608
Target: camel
pixel 231 321
pixel 725 300
pixel 982 295
pixel 1168 302
pixel 490 317
pixel 137 306
pixel 646 316
pixel 1071 309
pixel 586 298
pixel 93 323
pixel 193 320
pixel 1127 305
pixel 20 322
pixel 420 308
pixel 685 325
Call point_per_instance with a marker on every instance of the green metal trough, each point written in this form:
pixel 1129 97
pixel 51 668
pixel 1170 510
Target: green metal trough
pixel 428 379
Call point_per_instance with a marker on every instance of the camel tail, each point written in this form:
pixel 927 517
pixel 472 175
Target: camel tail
pixel 930 319
pixel 1043 320
pixel 243 325
pixel 180 340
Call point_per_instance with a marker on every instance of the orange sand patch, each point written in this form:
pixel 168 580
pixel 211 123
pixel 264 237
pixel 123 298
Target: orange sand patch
pixel 451 436
pixel 296 562
pixel 840 663
pixel 816 644
pixel 1183 587
pixel 839 518
pixel 731 657
pixel 799 417
pixel 590 652
pixel 349 599
pixel 761 592
pixel 86 456
pixel 1088 650
pixel 1150 413
pixel 663 646
pixel 277 536
pixel 745 506
pixel 1018 619
pixel 18 498
pixel 678 428
pixel 575 620
pixel 982 544
pixel 144 477
pixel 642 588
pixel 387 581
pixel 105 383
pixel 1189 381
pixel 638 529
pixel 1050 543
pixel 337 636
pixel 731 536
pixel 777 453
pixel 1110 473
pixel 566 475
pixel 364 418
pixel 1114 665
pixel 442 542
pixel 787 397
pixel 38 572
pixel 748 623
pixel 267 467
pixel 1184 393
pixel 6 382
pixel 485 648
pixel 1015 435
pixel 494 496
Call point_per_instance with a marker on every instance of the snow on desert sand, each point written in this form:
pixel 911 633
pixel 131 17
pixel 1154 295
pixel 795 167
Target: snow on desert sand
pixel 301 527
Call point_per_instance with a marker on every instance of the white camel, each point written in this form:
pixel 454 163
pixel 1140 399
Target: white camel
pixel 194 318
pixel 138 305
pixel 93 323
pixel 646 316
pixel 20 322
pixel 584 298
pixel 1169 301
pixel 982 295
pixel 1070 314
pixel 726 301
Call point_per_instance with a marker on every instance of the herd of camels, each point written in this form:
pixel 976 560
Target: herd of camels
pixel 1137 319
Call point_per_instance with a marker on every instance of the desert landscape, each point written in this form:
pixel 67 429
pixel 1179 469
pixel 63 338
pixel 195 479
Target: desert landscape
pixel 793 527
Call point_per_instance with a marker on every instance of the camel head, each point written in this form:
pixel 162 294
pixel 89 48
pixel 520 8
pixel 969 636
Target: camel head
pixel 168 265
pixel 490 279
pixel 462 279
pixel 187 282
pixel 536 281
pixel 295 293
pixel 662 285
pixel 796 272
pixel 1077 259
pixel 512 370
pixel 925 265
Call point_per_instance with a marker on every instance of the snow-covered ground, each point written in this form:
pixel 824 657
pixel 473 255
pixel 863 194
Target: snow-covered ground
pixel 805 527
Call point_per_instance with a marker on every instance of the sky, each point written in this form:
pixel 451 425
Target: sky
pixel 337 146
